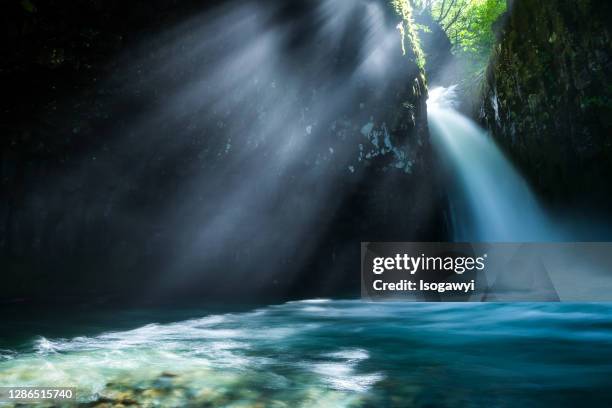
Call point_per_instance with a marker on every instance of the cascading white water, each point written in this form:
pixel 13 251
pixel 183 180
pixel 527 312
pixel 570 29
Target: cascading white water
pixel 489 199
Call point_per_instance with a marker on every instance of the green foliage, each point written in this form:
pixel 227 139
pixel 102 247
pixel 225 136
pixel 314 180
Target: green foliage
pixel 28 6
pixel 410 38
pixel 468 24
pixel 474 34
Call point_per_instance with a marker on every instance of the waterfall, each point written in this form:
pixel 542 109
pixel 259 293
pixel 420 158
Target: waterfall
pixel 489 199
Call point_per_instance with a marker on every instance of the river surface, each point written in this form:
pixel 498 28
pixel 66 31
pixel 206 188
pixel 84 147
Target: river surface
pixel 326 353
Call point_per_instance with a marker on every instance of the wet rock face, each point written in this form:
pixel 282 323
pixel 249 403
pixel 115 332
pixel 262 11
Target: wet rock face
pixel 548 97
pixel 393 193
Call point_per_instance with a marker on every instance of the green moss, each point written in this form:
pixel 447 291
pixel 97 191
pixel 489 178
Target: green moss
pixel 411 45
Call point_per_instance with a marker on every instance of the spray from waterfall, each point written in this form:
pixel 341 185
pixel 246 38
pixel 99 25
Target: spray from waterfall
pixel 489 199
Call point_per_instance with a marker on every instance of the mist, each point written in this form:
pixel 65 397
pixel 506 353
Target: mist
pixel 236 147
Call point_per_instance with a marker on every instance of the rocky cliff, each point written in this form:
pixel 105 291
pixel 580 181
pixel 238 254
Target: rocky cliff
pixel 155 147
pixel 548 97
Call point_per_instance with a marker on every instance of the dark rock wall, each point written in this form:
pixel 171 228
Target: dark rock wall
pixel 548 97
pixel 441 65
pixel 92 206
pixel 398 194
pixel 62 103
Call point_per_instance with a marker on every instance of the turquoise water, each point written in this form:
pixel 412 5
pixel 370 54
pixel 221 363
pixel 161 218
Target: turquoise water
pixel 329 353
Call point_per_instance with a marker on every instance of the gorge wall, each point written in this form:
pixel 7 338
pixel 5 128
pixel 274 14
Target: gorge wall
pixel 126 170
pixel 548 97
